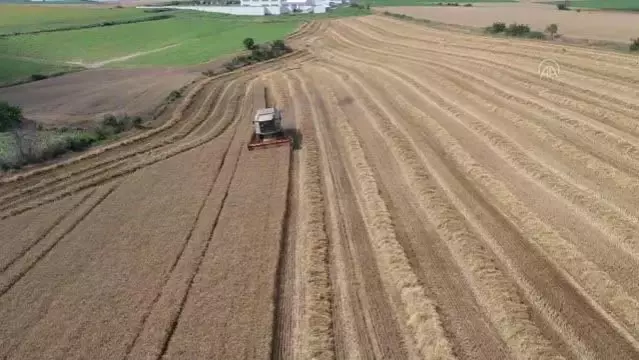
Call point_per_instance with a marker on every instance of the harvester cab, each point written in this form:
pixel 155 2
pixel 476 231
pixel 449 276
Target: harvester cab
pixel 267 129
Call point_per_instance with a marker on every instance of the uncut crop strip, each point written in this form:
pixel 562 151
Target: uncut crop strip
pixel 26 239
pixel 176 117
pixel 159 323
pixel 142 162
pixel 18 268
pixel 118 154
pixel 96 170
pixel 231 111
pixel 186 104
pixel 230 302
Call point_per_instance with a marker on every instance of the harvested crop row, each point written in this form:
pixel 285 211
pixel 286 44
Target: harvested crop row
pixel 572 73
pixel 314 333
pixel 611 72
pixel 346 335
pixel 289 300
pixel 622 224
pixel 420 102
pixel 534 297
pixel 422 322
pixel 364 308
pixel 490 285
pixel 524 70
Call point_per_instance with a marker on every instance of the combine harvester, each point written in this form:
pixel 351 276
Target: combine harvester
pixel 267 127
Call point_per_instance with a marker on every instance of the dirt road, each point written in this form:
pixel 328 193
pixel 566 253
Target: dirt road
pixel 445 202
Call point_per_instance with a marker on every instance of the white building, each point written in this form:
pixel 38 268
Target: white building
pixel 259 7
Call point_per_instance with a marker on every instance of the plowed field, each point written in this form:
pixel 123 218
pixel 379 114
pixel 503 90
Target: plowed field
pixel 445 202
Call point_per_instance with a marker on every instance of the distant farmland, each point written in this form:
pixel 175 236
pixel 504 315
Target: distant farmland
pixel 25 18
pixel 605 4
pixel 186 38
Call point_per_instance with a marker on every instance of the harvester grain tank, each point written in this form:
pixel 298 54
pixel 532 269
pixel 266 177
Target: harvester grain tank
pixel 268 130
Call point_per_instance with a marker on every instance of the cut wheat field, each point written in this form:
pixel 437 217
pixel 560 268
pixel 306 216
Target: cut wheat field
pixel 445 202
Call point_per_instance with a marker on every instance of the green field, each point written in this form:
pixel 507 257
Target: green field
pixel 189 37
pixel 199 37
pixel 24 18
pixel 630 5
pixel 16 69
pixel 607 4
pixel 41 145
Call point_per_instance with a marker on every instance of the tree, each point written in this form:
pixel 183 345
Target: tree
pixel 10 116
pixel 249 43
pixel 552 30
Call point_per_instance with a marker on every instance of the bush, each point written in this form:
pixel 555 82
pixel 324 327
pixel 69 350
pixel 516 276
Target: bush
pixel 173 95
pixel 157 10
pixel 36 77
pixel 552 30
pixel 468 5
pixel 536 35
pixel 261 52
pixel 497 27
pixel 249 43
pixel 634 45
pixel 10 116
pixel 81 141
pixel 515 29
pixel 112 125
pixel 562 7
